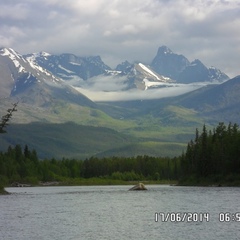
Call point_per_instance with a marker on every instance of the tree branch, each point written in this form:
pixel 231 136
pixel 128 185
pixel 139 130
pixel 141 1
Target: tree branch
pixel 6 118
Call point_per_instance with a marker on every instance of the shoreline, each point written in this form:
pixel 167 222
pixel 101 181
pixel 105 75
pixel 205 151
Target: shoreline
pixel 110 182
pixel 4 192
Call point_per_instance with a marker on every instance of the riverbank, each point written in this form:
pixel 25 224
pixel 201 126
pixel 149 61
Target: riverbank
pixel 106 181
pixel 86 182
pixel 232 180
pixel 3 191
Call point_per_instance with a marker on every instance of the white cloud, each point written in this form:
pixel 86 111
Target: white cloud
pixel 106 83
pixel 127 30
pixel 17 11
pixel 135 94
pixel 110 88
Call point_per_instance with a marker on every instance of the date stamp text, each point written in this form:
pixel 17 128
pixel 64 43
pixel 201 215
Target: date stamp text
pixel 182 217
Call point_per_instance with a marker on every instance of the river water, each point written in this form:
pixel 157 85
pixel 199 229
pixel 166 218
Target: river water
pixel 113 212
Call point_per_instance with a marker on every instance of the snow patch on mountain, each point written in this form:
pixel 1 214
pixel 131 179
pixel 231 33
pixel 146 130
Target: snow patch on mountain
pixel 45 54
pixel 113 72
pixel 66 70
pixel 33 56
pixel 77 64
pixel 32 62
pixel 154 75
pixel 15 57
pixel 148 70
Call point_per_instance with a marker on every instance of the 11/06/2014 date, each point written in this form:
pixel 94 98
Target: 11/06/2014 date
pixel 182 217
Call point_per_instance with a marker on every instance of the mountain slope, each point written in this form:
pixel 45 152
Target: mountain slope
pixel 28 82
pixel 69 66
pixel 217 102
pixel 64 139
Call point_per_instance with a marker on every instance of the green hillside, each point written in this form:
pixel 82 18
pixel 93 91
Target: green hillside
pixel 73 140
pixel 155 128
pixel 94 132
pixel 63 140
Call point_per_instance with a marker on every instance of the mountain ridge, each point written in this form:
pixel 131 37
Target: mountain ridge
pixel 30 83
pixel 76 70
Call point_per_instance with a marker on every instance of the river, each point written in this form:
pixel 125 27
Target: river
pixel 113 212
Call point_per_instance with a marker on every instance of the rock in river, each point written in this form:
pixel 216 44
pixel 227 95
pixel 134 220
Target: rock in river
pixel 139 186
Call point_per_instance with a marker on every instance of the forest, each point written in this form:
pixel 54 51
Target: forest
pixel 212 158
pixel 23 165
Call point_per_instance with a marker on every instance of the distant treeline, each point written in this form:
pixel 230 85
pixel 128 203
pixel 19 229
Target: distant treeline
pixel 19 165
pixel 213 156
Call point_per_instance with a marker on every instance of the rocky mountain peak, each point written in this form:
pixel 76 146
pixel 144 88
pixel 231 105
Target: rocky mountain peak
pixel 125 67
pixel 168 63
pixel 164 50
pixel 179 68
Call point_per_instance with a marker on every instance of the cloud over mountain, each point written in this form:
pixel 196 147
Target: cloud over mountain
pixel 111 89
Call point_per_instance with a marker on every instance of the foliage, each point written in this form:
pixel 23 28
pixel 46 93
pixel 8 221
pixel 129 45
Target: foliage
pixel 6 118
pixel 213 155
pixel 2 190
pixel 23 165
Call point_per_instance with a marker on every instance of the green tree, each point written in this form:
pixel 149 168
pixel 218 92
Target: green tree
pixel 6 118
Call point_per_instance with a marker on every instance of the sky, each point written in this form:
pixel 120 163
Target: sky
pixel 120 30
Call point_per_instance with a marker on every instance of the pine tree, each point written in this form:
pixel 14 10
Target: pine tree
pixel 6 118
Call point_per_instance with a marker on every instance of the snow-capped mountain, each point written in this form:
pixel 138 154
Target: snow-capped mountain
pixel 182 70
pixel 42 77
pixel 138 76
pixel 19 72
pixel 144 77
pixel 68 66
pixel 75 69
pixel 24 79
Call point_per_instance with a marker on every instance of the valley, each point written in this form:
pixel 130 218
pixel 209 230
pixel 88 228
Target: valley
pixel 110 129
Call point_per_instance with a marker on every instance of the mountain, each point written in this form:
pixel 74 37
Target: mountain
pixel 69 66
pixel 168 63
pixel 124 67
pixel 74 69
pixel 143 77
pixel 179 68
pixel 28 82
